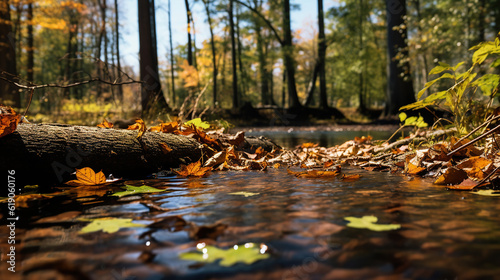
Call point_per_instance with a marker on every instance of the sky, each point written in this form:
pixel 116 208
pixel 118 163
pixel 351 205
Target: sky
pixel 305 17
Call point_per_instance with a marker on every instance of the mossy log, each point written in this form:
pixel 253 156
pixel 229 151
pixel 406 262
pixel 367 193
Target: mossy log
pixel 49 153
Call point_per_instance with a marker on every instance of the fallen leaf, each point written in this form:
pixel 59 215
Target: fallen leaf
pixel 452 176
pixel 308 145
pixel 328 164
pixel 362 139
pixel 315 174
pixel 413 169
pixel 246 194
pixel 216 159
pixel 105 124
pixel 466 185
pixel 171 223
pixel 368 222
pixel 193 170
pixel 130 190
pixel 206 231
pixel 237 139
pixel 138 125
pixel 350 178
pixel 170 127
pixel 164 148
pixel 247 254
pixel 109 225
pixel 9 120
pixel 87 176
pixel 487 192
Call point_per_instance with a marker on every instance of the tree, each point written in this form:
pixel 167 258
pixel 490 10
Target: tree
pixel 8 92
pixel 400 87
pixel 151 87
pixel 189 27
pixel 323 102
pixel 265 96
pixel 172 74
pixel 233 56
pixel 293 99
pixel 214 57
pixel 117 45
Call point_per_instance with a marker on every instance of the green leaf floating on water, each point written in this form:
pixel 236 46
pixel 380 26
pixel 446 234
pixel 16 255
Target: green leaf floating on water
pixel 246 194
pixel 109 225
pixel 137 190
pixel 487 192
pixel 247 254
pixel 368 222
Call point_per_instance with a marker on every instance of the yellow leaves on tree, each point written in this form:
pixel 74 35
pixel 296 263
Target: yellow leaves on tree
pixel 189 74
pixel 87 176
pixel 8 120
pixel 193 170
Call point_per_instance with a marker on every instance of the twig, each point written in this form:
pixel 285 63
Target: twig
pixel 475 140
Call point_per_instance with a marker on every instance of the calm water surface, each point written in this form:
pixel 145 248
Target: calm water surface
pixel 443 234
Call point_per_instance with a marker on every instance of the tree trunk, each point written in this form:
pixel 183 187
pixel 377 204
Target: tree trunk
pixel 214 57
pixel 312 84
pixel 172 74
pixel 8 92
pixel 293 99
pixel 323 102
pixel 265 95
pixel 400 87
pixel 31 47
pixel 152 93
pixel 117 45
pixel 362 105
pixel 233 57
pixel 49 153
pixel 190 44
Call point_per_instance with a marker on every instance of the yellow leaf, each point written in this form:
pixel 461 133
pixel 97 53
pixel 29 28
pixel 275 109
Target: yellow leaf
pixel 87 176
pixel 105 124
pixel 138 125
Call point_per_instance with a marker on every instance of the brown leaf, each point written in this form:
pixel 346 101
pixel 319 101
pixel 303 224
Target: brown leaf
pixel 87 176
pixel 466 185
pixel 314 174
pixel 171 223
pixel 170 127
pixel 206 232
pixel 139 125
pixel 328 164
pixel 164 148
pixel 452 176
pixel 193 170
pixel 308 145
pixel 413 169
pixel 362 140
pixel 9 120
pixel 237 139
pixel 350 178
pixel 105 124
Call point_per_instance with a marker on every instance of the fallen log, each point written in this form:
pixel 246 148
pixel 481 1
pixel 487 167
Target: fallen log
pixel 49 153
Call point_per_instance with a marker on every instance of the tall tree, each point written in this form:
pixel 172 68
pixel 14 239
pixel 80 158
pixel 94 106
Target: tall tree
pixel 293 99
pixel 172 74
pixel 265 96
pixel 8 92
pixel 362 105
pixel 400 87
pixel 323 102
pixel 117 45
pixel 31 47
pixel 151 88
pixel 214 57
pixel 233 56
pixel 189 30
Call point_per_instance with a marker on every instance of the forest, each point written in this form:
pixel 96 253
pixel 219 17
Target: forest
pixel 359 56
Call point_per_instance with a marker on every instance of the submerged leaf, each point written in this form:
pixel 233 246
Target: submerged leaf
pixel 109 225
pixel 137 190
pixel 368 222
pixel 247 254
pixel 246 194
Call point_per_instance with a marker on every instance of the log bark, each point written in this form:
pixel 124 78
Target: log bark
pixel 49 153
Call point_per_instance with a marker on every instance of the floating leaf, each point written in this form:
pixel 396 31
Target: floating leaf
pixel 350 178
pixel 8 120
pixel 315 174
pixel 105 124
pixel 246 194
pixel 487 192
pixel 109 225
pixel 193 170
pixel 413 169
pixel 247 254
pixel 130 190
pixel 87 176
pixel 368 222
pixel 198 123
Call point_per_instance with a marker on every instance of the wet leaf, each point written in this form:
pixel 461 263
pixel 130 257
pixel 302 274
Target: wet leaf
pixel 350 178
pixel 487 192
pixel 206 231
pixel 198 123
pixel 328 164
pixel 466 185
pixel 171 223
pixel 368 222
pixel 138 125
pixel 109 225
pixel 247 254
pixel 164 148
pixel 237 139
pixel 315 174
pixel 105 124
pixel 452 176
pixel 193 170
pixel 245 194
pixel 130 190
pixel 216 159
pixel 9 120
pixel 86 176
pixel 413 169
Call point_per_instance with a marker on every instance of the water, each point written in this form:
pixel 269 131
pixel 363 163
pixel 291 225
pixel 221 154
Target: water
pixel 443 234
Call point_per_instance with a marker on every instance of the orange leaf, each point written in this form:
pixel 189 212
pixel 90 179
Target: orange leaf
pixel 466 185
pixel 87 176
pixel 350 178
pixel 452 176
pixel 413 169
pixel 8 120
pixel 314 174
pixel 138 125
pixel 193 170
pixel 328 164
pixel 165 148
pixel 362 140
pixel 105 124
pixel 169 127
pixel 308 145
